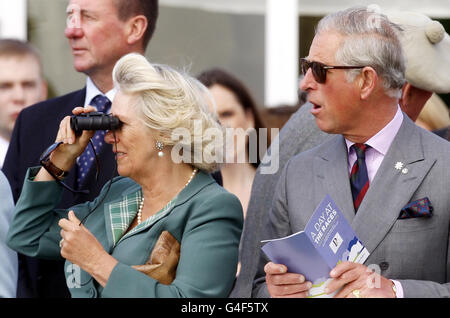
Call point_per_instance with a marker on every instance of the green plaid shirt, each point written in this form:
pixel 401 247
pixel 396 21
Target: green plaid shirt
pixel 123 213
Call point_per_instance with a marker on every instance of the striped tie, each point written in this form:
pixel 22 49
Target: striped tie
pixel 359 179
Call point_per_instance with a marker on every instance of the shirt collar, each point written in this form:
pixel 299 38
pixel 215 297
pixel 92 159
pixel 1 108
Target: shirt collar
pixel 3 149
pixel 382 140
pixel 92 91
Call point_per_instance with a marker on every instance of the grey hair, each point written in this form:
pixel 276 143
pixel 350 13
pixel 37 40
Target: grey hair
pixel 370 40
pixel 168 100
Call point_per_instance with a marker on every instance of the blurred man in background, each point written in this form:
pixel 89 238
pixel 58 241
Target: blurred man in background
pixel 21 85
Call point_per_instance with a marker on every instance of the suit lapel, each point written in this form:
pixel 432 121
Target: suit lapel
pixel 392 188
pixel 78 100
pixel 332 169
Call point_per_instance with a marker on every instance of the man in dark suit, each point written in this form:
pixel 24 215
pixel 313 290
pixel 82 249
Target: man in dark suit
pixel 99 33
pixel 388 176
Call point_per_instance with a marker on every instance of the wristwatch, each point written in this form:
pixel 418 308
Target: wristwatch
pixel 53 170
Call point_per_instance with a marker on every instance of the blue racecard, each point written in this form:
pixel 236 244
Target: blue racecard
pixel 327 240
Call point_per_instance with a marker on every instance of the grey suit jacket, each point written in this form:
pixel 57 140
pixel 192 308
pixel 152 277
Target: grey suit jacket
pixel 299 134
pixel 414 251
pixel 8 258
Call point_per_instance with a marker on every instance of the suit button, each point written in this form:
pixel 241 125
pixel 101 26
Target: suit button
pixel 384 266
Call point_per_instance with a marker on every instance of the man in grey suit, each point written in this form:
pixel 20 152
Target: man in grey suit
pixel 405 164
pixel 8 257
pixel 421 48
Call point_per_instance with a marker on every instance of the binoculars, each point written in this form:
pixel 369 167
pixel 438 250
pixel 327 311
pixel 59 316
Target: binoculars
pixel 93 121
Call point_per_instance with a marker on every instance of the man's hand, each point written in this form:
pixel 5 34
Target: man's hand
pixel 357 280
pixel 280 283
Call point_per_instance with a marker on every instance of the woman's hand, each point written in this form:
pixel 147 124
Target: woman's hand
pixel 80 247
pixel 65 155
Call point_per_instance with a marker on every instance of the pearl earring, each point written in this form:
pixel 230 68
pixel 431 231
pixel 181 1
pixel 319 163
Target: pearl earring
pixel 160 147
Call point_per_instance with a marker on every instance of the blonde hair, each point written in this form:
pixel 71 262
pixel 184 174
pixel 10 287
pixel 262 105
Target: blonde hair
pixel 168 100
pixel 435 114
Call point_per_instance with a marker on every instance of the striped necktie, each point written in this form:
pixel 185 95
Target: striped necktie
pixel 102 103
pixel 359 180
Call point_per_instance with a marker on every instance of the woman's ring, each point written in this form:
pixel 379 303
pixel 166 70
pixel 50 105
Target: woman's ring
pixel 356 293
pixel 61 242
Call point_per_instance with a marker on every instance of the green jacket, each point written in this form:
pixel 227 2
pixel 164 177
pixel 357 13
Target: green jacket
pixel 204 218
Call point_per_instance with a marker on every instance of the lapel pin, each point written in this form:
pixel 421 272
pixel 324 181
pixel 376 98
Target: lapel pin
pixel 405 170
pixel 399 165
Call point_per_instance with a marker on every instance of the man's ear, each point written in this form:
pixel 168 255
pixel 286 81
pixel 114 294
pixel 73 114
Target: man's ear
pixel 413 100
pixel 367 81
pixel 406 94
pixel 136 28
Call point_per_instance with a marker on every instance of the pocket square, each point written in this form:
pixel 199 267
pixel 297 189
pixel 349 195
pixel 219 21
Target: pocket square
pixel 416 209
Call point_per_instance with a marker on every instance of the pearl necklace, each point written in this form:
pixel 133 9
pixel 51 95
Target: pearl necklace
pixel 141 205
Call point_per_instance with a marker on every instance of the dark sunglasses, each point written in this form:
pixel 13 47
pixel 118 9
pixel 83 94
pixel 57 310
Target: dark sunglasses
pixel 319 70
pixel 46 155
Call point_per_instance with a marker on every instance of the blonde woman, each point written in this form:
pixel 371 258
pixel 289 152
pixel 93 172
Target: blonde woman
pixel 156 201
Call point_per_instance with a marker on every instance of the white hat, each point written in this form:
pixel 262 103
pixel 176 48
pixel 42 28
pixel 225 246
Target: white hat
pixel 426 47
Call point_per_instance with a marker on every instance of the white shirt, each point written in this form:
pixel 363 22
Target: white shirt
pixel 92 91
pixel 379 145
pixel 3 149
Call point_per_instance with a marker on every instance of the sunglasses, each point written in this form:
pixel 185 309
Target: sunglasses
pixel 319 70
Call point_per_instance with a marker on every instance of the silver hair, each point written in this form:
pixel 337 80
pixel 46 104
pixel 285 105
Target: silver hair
pixel 168 100
pixel 370 39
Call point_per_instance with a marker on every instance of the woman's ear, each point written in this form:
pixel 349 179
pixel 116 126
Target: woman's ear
pixel 136 28
pixel 367 82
